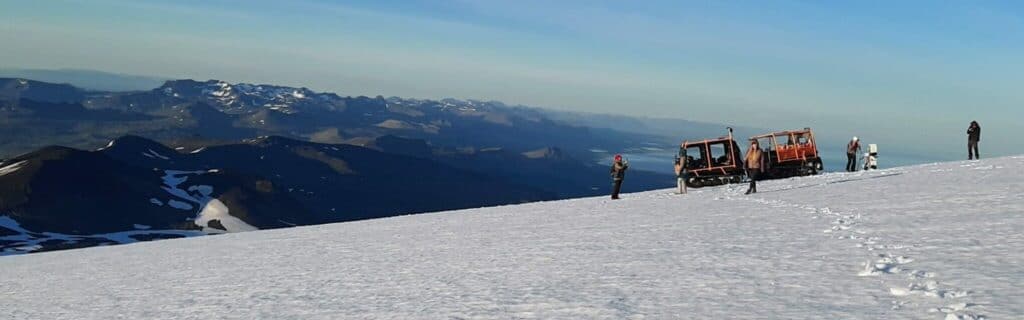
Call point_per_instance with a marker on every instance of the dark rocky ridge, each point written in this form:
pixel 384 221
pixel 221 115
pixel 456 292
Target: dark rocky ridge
pixel 270 182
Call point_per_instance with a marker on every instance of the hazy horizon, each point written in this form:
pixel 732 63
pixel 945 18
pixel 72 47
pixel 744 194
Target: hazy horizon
pixel 909 75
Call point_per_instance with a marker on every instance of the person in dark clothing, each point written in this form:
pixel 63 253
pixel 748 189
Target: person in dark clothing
pixel 973 136
pixel 753 164
pixel 618 173
pixel 852 149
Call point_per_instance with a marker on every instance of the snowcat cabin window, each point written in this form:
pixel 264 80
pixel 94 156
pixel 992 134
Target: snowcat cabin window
pixel 801 139
pixel 785 140
pixel 696 157
pixel 720 153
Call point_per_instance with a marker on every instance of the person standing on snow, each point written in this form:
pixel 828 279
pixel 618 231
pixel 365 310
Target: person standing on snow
pixel 680 169
pixel 852 149
pixel 618 173
pixel 973 136
pixel 753 165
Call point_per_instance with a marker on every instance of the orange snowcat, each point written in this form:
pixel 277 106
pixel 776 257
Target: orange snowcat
pixel 790 153
pixel 712 162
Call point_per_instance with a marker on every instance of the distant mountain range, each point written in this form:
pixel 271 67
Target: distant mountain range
pixel 219 110
pixel 198 157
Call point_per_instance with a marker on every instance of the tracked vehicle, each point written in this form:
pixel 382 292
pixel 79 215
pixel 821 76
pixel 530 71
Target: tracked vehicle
pixel 790 153
pixel 712 162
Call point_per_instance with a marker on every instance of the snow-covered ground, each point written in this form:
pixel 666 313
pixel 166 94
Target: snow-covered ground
pixel 927 242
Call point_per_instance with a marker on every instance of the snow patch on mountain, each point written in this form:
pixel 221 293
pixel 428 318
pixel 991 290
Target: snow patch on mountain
pixel 211 210
pixel 109 144
pixel 12 167
pixel 154 155
pixel 26 241
pixel 214 210
pixel 179 205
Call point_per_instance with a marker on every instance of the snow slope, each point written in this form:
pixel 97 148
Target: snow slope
pixel 940 241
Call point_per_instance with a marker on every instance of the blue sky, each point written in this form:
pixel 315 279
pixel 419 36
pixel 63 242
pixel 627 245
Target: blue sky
pixel 910 74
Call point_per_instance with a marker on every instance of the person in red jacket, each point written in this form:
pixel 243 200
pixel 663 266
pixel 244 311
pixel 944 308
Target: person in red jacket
pixel 852 149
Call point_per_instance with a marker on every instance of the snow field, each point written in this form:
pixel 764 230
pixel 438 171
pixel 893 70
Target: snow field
pixel 938 241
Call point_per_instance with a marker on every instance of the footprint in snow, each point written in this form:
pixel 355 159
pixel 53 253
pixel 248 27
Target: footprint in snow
pixel 886 264
pixel 898 304
pixel 928 289
pixel 920 274
pixel 890 264
pixel 958 311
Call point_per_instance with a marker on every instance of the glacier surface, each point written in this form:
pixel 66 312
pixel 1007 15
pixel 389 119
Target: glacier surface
pixel 937 241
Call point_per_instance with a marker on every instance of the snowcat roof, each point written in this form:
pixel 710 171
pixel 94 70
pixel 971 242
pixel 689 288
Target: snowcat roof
pixel 706 141
pixel 782 133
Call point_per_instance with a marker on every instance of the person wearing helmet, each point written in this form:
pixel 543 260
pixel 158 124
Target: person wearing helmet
pixel 618 173
pixel 852 149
